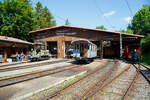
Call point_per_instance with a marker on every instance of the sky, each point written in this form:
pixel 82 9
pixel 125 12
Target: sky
pixel 113 14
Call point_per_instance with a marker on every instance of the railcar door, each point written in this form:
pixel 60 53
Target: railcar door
pixel 86 50
pixel 76 51
pixel 81 50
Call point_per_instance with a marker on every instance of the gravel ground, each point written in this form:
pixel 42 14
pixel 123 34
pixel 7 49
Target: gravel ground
pixel 140 90
pixel 116 89
pixel 145 71
pixel 28 88
pixel 77 90
pixel 88 68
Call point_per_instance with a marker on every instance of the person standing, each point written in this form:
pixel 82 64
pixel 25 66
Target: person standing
pixel 17 57
pixel 21 56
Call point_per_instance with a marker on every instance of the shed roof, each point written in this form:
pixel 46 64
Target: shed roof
pixel 83 28
pixel 11 39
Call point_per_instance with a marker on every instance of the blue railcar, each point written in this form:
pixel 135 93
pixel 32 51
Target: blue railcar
pixel 84 50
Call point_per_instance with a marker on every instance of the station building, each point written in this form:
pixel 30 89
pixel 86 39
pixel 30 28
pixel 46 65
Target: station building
pixel 9 46
pixel 110 44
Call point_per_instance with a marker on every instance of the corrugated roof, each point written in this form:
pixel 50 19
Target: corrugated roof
pixel 11 39
pixel 100 30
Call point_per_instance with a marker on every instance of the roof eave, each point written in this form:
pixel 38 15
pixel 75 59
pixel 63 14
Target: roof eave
pixel 100 30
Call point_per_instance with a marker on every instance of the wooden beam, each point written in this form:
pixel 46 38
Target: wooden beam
pixel 101 49
pixel 60 48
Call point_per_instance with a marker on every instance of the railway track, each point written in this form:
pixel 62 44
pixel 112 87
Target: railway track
pixel 139 72
pixel 95 89
pixel 87 82
pixel 16 63
pixel 108 86
pixel 33 75
pixel 113 89
pixel 29 66
pixel 144 70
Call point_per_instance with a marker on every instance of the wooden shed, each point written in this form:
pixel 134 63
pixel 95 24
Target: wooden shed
pixel 110 44
pixel 9 46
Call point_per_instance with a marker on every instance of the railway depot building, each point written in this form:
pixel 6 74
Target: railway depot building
pixel 9 46
pixel 110 44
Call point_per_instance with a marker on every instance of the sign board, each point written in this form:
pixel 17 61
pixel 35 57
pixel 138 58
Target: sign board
pixel 65 33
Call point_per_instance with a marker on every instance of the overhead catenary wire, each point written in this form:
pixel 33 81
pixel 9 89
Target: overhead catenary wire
pixel 129 8
pixel 100 10
pixel 59 17
pixel 63 19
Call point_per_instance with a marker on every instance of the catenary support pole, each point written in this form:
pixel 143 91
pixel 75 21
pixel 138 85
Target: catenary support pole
pixel 121 46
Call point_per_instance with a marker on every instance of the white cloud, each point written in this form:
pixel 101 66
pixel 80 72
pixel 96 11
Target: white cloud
pixel 109 13
pixel 127 19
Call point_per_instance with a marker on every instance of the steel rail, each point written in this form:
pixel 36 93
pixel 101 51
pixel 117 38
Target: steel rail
pixel 139 71
pixel 30 66
pixel 55 94
pixel 145 76
pixel 98 85
pixel 131 84
pixel 144 66
pixel 95 90
pixel 33 75
pixel 1 66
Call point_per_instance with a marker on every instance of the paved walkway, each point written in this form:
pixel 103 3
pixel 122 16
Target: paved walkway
pixel 28 88
pixel 11 63
pixel 19 64
pixel 27 70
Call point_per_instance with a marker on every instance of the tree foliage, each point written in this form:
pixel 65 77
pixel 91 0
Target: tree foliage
pixel 67 22
pixel 126 31
pixel 18 17
pixel 141 21
pixel 146 44
pixel 101 27
pixel 43 17
pixel 141 25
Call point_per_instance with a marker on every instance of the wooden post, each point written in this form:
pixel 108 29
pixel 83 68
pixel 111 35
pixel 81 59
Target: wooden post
pixel 60 48
pixel 120 46
pixel 101 49
pixel 5 53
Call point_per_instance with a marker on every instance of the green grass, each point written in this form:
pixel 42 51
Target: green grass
pixel 146 59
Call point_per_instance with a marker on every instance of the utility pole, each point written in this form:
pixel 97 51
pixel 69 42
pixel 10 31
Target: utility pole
pixel 121 46
pixel 64 44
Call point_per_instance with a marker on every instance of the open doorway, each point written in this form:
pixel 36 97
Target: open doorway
pixel 52 47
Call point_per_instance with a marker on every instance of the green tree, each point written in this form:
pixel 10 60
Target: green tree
pixel 123 31
pixel 129 31
pixel 101 27
pixel 141 25
pixel 16 18
pixel 141 21
pixel 47 19
pixel 146 43
pixel 43 17
pixel 67 22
